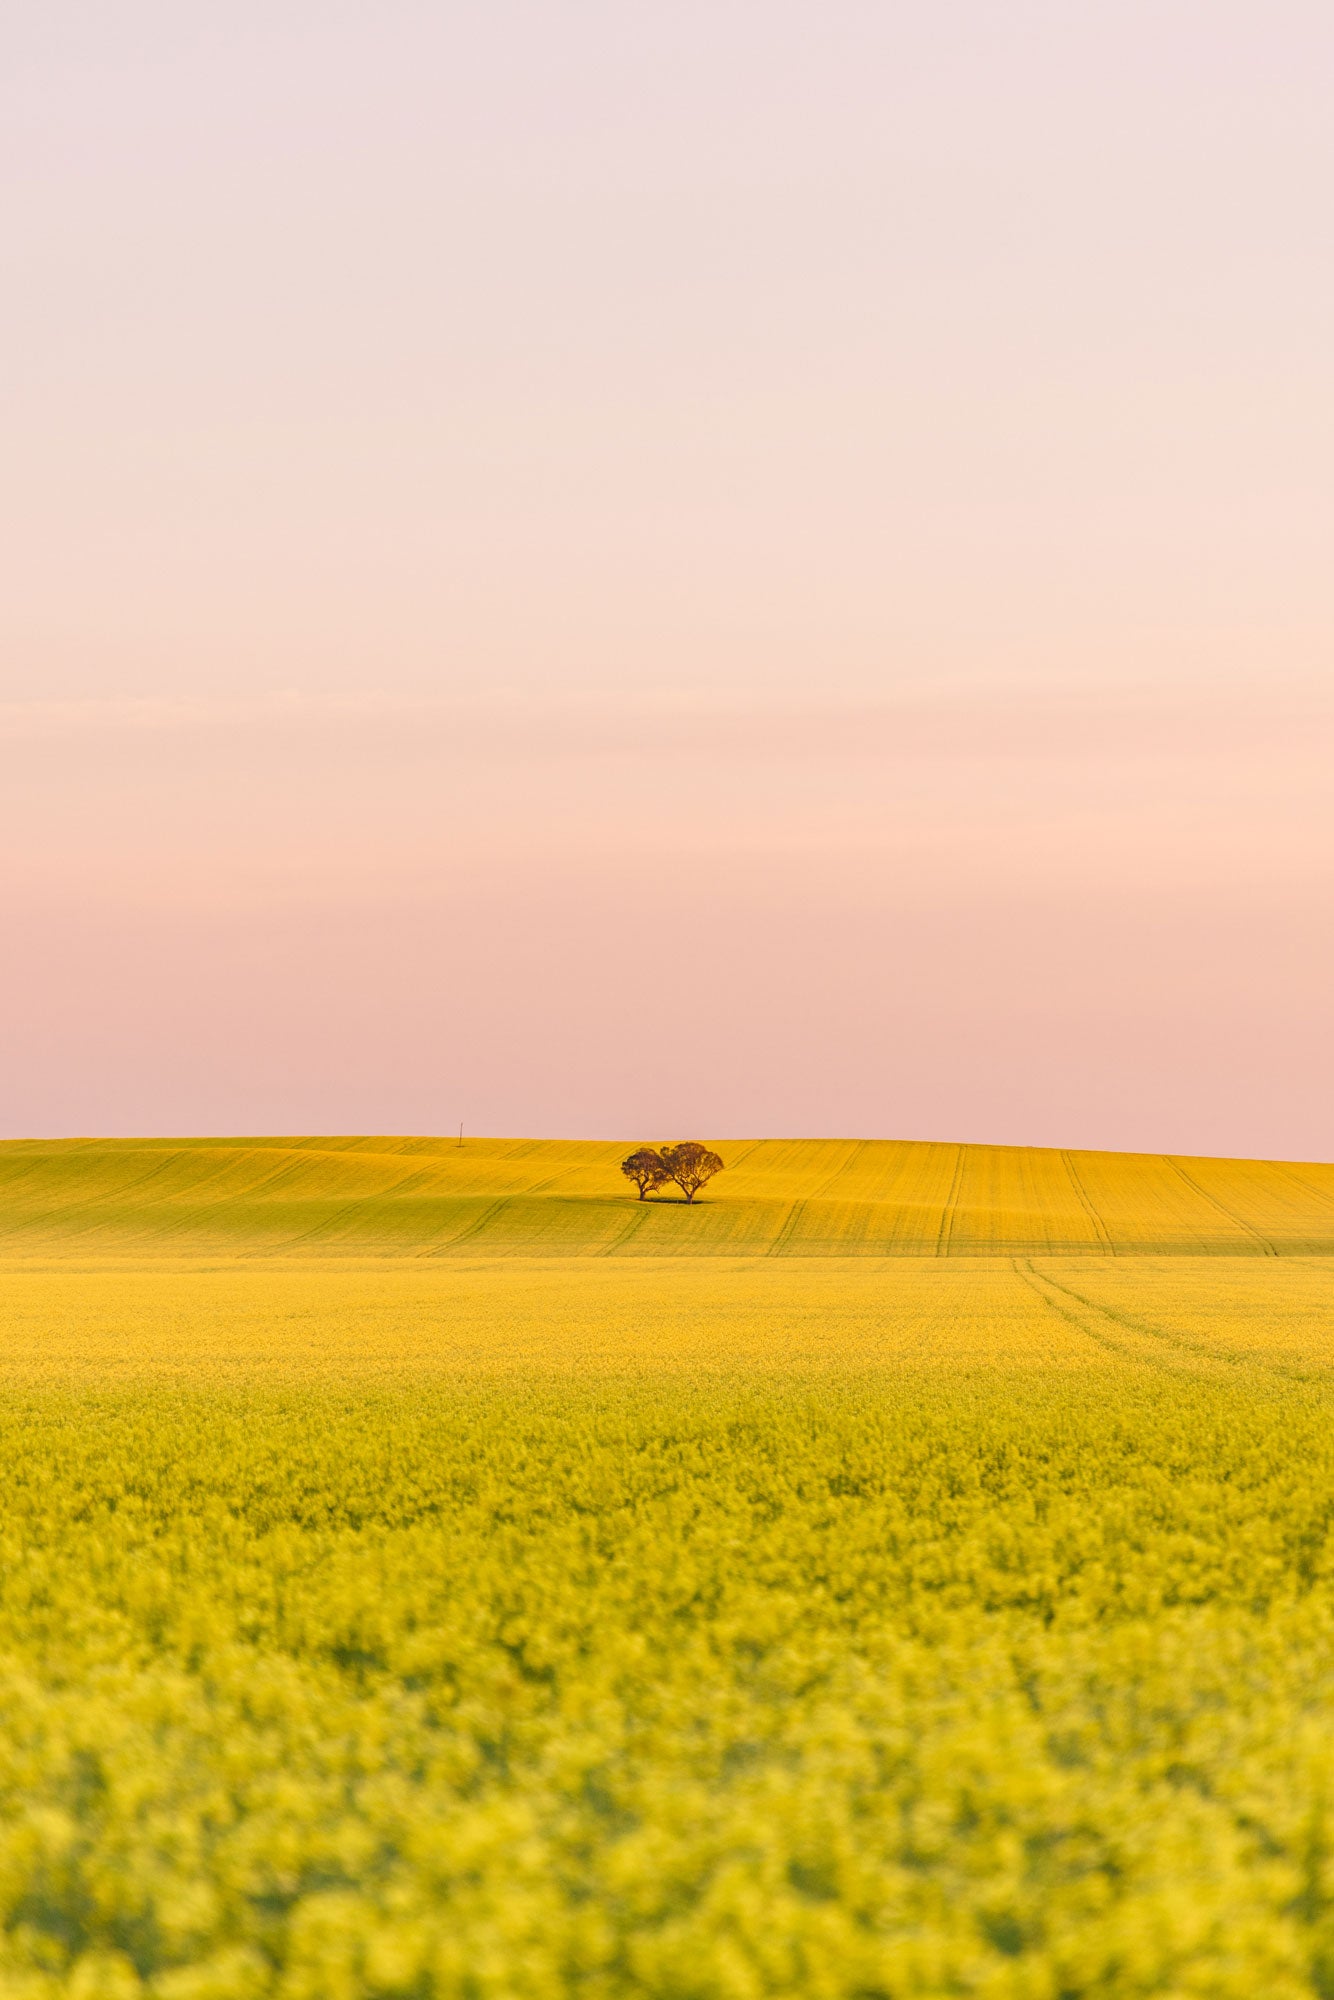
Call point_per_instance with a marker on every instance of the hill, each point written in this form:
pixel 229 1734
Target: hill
pixel 520 1197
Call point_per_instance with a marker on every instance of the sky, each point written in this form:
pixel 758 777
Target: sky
pixel 717 569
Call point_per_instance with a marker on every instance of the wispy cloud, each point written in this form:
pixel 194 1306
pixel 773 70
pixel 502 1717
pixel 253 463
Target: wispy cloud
pixel 1076 720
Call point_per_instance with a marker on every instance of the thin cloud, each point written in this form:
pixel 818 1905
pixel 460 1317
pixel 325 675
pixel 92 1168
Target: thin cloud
pixel 1081 723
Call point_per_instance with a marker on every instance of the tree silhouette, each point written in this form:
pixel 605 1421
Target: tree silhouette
pixel 690 1165
pixel 646 1169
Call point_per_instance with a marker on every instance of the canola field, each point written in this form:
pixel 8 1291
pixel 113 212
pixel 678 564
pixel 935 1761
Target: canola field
pixel 526 1197
pixel 504 1621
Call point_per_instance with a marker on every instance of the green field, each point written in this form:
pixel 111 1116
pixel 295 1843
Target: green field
pixel 430 1572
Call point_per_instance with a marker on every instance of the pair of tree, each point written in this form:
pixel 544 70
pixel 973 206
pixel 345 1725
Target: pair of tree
pixel 687 1166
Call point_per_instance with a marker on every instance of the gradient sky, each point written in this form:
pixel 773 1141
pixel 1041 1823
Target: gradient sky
pixel 727 567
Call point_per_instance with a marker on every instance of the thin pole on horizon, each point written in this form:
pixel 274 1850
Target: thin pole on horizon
pixel 460 1133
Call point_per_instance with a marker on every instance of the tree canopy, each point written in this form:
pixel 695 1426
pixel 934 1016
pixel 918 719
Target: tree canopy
pixel 690 1165
pixel 687 1165
pixel 646 1169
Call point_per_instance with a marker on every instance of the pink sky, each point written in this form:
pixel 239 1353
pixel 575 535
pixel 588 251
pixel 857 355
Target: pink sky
pixel 733 568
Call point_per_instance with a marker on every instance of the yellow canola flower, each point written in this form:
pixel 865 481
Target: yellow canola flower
pixel 514 1627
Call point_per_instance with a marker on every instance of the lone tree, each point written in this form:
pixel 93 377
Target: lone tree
pixel 646 1169
pixel 690 1165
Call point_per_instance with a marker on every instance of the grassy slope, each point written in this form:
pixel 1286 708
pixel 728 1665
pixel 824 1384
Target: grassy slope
pixel 790 1198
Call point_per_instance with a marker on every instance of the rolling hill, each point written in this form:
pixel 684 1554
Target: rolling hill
pixel 515 1197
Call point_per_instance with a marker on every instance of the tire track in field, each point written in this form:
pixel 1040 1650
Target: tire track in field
pixel 856 1148
pixel 787 1228
pixel 522 1149
pixel 1323 1195
pixel 286 1168
pixel 93 1214
pixel 1187 1355
pixel 945 1233
pixel 1221 1206
pixel 1083 1198
pixel 22 1170
pixel 318 1229
pixel 292 1166
pixel 356 1203
pixel 473 1228
pixel 796 1214
pixel 634 1223
pixel 1027 1275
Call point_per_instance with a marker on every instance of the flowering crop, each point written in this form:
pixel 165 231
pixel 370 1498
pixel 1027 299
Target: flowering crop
pixel 526 1197
pixel 703 1631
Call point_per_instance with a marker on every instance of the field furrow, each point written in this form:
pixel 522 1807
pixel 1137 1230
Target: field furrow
pixel 787 1198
